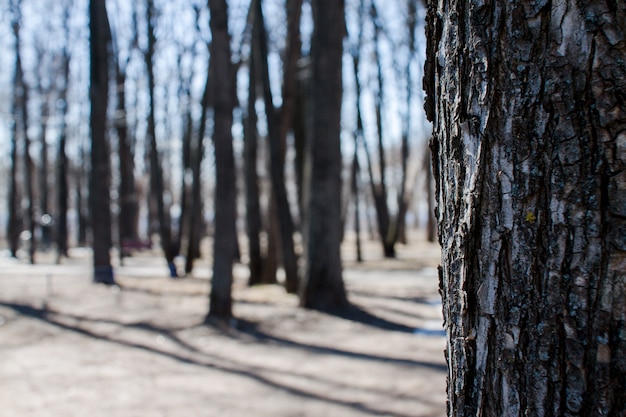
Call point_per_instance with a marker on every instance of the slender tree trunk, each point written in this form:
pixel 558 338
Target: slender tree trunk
pixel 270 261
pixel 431 223
pixel 399 234
pixel 157 188
pixel 185 186
pixel 44 220
pixel 195 218
pixel 100 178
pixel 357 209
pixel 28 169
pixel 323 286
pixel 14 225
pixel 225 241
pixel 253 207
pixel 128 198
pixel 279 190
pixel 14 219
pixel 529 115
pixel 62 164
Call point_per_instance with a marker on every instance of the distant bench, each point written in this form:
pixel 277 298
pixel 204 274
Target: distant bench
pixel 128 246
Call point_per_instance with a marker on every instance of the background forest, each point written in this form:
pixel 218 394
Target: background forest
pixel 160 128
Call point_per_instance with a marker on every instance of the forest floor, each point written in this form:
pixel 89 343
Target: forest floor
pixel 72 348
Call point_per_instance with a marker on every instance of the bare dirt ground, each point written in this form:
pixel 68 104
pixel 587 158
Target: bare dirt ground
pixel 72 348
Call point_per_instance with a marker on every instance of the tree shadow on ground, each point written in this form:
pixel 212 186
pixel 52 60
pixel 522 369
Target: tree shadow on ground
pixel 192 355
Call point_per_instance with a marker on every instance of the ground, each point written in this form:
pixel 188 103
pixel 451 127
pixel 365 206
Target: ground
pixel 72 348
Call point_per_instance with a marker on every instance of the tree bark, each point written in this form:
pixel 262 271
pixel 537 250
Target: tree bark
pixel 529 115
pixel 225 242
pixel 100 178
pixel 323 286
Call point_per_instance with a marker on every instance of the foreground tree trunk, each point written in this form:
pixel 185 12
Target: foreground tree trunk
pixel 225 242
pixel 323 286
pixel 100 177
pixel 529 150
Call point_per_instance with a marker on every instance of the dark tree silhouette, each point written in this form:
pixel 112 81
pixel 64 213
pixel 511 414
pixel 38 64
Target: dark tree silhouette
pixel 277 163
pixel 157 188
pixel 323 286
pixel 62 159
pixel 100 176
pixel 225 241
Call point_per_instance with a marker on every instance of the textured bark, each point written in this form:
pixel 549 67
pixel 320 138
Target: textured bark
pixel 225 242
pixel 323 286
pixel 100 176
pixel 529 114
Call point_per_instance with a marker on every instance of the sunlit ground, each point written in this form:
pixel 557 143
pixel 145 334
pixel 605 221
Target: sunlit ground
pixel 71 348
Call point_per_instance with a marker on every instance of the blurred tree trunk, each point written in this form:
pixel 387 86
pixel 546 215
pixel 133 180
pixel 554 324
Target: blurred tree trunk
pixel 100 178
pixel 157 187
pixel 431 225
pixel 354 187
pixel 128 199
pixel 43 215
pixel 14 226
pixel 253 206
pixel 323 286
pixel 529 115
pixel 28 163
pixel 62 160
pixel 225 242
pixel 186 182
pixel 276 142
pixel 399 227
pixel 380 189
pixel 82 179
pixel 196 222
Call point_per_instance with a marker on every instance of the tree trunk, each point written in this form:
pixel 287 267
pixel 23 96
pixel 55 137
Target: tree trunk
pixel 253 206
pixel 225 242
pixel 323 286
pixel 44 219
pixel 128 198
pixel 431 222
pixel 195 219
pixel 100 178
pixel 14 225
pixel 157 188
pixel 279 190
pixel 28 167
pixel 62 161
pixel 529 115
